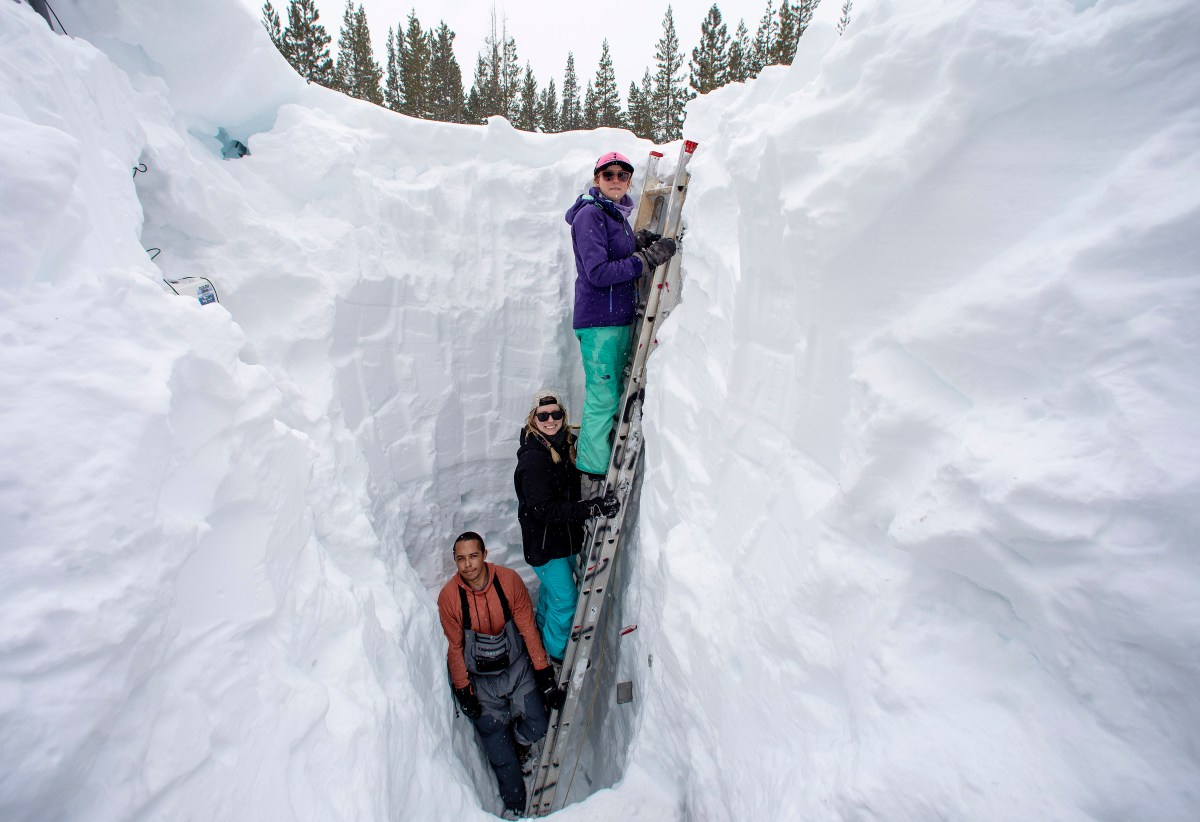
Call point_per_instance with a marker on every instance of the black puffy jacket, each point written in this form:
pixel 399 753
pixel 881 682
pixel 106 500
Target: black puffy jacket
pixel 548 505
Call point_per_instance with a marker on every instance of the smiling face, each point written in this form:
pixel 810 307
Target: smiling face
pixel 543 419
pixel 470 556
pixel 608 180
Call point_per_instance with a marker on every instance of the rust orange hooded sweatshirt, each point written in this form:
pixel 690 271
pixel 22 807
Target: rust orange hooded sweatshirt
pixel 487 617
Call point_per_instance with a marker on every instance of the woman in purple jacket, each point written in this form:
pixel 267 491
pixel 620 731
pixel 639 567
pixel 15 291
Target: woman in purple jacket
pixel 608 261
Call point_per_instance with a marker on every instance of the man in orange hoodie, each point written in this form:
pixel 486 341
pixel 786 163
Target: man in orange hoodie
pixel 501 676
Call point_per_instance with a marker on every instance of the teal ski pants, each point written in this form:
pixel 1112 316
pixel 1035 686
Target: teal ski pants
pixel 556 604
pixel 605 352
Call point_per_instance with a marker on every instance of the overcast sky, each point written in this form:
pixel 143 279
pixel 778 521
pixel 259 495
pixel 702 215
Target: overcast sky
pixel 545 30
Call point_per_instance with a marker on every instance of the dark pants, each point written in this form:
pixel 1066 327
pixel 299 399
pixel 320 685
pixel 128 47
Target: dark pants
pixel 525 723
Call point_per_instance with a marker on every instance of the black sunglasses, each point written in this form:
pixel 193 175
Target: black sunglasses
pixel 620 175
pixel 549 415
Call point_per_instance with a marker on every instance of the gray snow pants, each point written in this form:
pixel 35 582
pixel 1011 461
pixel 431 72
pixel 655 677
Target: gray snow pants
pixel 513 712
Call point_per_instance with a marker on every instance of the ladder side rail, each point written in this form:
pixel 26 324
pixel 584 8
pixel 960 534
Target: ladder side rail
pixel 651 208
pixel 599 533
pixel 604 542
pixel 576 674
pixel 646 328
pixel 598 676
pixel 589 753
pixel 604 534
pixel 652 212
pixel 573 675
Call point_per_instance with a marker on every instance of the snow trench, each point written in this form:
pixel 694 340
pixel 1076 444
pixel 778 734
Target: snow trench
pixel 916 533
pixel 421 322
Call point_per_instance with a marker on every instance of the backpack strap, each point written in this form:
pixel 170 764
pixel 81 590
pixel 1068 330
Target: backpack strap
pixel 503 599
pixel 466 610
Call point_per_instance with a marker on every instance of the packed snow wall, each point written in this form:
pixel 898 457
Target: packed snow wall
pixel 284 471
pixel 916 529
pixel 918 518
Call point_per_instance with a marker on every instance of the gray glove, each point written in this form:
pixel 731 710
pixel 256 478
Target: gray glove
pixel 645 238
pixel 657 253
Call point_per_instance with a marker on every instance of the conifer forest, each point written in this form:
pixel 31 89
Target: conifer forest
pixel 420 76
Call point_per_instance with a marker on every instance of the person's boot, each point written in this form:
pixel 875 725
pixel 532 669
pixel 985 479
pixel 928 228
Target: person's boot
pixel 530 754
pixel 591 485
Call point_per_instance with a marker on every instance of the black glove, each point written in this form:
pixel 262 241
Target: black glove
pixel 606 506
pixel 468 702
pixel 610 505
pixel 658 252
pixel 646 238
pixel 552 695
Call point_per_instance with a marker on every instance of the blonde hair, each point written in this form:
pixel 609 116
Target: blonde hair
pixel 533 431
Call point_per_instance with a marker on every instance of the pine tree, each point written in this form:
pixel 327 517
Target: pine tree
pixel 710 59
pixel 739 55
pixel 635 105
pixel 670 93
pixel 589 114
pixel 844 22
pixel 510 81
pixel 805 10
pixel 548 111
pixel 527 108
pixel 391 85
pixel 415 64
pixel 306 44
pixel 358 75
pixel 783 48
pixel 654 127
pixel 793 21
pixel 481 99
pixel 608 98
pixel 270 21
pixel 641 111
pixel 497 77
pixel 764 38
pixel 572 114
pixel 446 101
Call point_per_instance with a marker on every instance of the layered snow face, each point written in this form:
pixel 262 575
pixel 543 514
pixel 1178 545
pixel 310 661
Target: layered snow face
pixel 917 519
pixel 202 619
pixel 923 450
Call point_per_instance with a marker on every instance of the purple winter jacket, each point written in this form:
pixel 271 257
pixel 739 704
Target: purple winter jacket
pixel 605 268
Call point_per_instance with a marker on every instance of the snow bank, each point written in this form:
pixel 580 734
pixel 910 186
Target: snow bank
pixel 915 524
pixel 922 442
pixel 200 622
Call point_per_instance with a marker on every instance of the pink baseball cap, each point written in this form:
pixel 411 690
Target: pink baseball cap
pixel 613 158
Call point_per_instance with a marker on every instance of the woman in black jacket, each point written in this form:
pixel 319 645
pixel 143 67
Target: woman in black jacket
pixel 552 515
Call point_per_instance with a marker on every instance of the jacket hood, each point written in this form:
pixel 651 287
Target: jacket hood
pixel 594 197
pixel 532 443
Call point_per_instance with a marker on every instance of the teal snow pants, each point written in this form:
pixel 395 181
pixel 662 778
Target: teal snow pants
pixel 556 604
pixel 605 352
